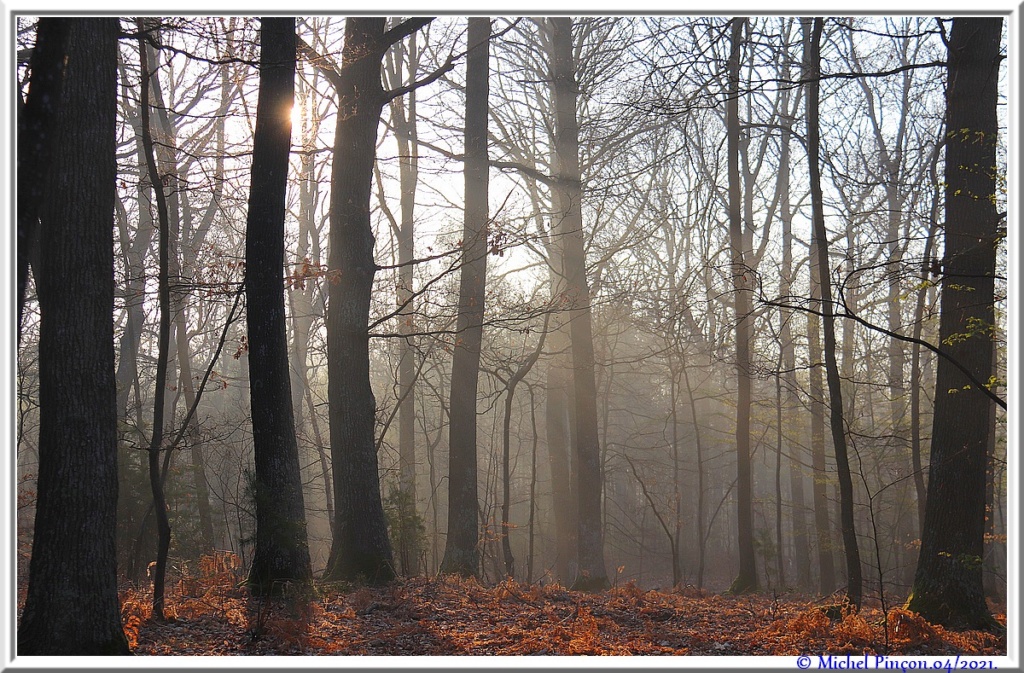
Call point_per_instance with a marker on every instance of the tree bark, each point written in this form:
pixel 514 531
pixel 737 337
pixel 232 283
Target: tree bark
pixel 948 586
pixel 568 206
pixel 461 555
pixel 281 553
pixel 360 547
pixel 72 606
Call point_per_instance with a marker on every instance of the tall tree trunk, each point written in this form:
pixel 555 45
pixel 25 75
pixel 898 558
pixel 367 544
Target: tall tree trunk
pixel 746 579
pixel 461 553
pixel 812 70
pixel 948 583
pixel 568 198
pixel 360 547
pixel 72 606
pixel 403 114
pixel 163 339
pixel 798 517
pixel 281 552
pixel 36 132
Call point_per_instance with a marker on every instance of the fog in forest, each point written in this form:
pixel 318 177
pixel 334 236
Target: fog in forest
pixel 674 302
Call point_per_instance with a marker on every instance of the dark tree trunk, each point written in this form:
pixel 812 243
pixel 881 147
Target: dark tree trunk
pixel 461 554
pixel 163 341
pixel 360 548
pixel 568 199
pixel 72 606
pixel 746 579
pixel 36 132
pixel 948 583
pixel 281 553
pixel 812 68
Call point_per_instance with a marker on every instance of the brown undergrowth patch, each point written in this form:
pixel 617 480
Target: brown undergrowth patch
pixel 213 615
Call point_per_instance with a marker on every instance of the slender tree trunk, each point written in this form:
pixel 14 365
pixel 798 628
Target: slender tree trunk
pixel 130 502
pixel 403 114
pixel 325 469
pixel 812 65
pixel 798 517
pixel 72 606
pixel 948 585
pixel 677 496
pixel 304 282
pixel 779 545
pixel 746 580
pixel 506 486
pixel 506 475
pixel 163 342
pixel 461 553
pixel 917 382
pixel 281 553
pixel 702 537
pixel 592 574
pixel 533 488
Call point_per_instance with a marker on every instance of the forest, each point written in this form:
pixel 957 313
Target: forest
pixel 563 335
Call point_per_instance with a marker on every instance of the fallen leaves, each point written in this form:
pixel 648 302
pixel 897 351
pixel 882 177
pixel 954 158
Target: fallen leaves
pixel 453 616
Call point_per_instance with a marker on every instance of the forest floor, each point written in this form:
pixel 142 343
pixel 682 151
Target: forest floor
pixel 211 615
